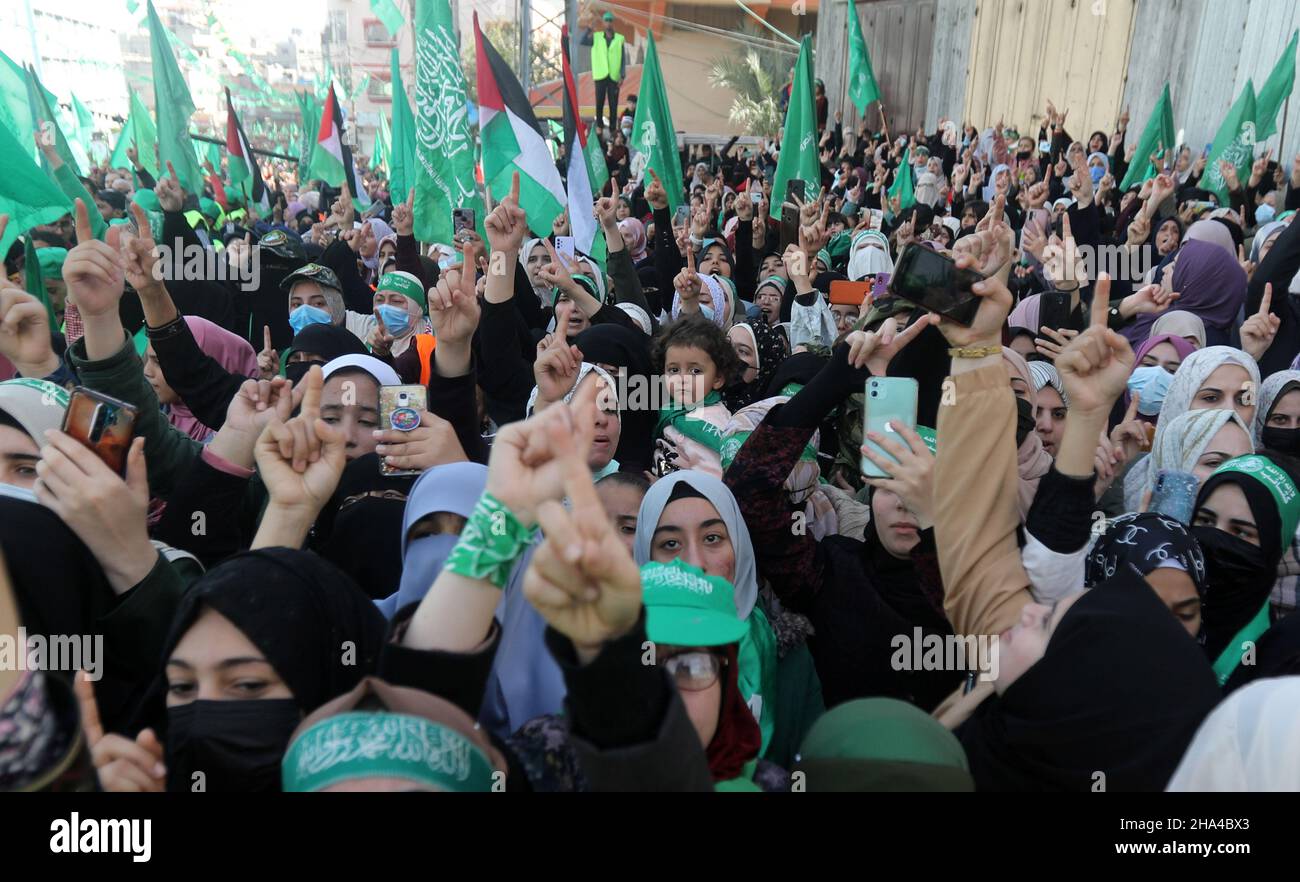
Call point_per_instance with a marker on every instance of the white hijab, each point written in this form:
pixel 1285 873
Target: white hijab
pixel 1248 743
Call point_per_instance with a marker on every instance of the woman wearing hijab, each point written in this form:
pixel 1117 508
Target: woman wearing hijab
pixel 858 592
pixel 1277 427
pixel 1184 324
pixel 1197 442
pixel 634 235
pixel 1214 233
pixel 1033 461
pixel 869 256
pixel 1210 284
pixel 1246 517
pixel 624 353
pixel 1160 550
pixel 232 353
pixel 1215 378
pixel 1247 744
pixel 761 348
pixel 372 232
pixel 255 647
pixel 1167 237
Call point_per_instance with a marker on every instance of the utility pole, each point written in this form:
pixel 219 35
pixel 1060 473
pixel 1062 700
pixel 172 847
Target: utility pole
pixel 526 44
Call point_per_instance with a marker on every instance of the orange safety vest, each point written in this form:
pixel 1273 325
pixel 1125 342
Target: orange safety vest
pixel 424 345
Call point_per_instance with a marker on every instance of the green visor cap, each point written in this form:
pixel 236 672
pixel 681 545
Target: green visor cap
pixel 403 283
pixel 1276 481
pixel 384 745
pixel 928 436
pixel 321 275
pixel 687 607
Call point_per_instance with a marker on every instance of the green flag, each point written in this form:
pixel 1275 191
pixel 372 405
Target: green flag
pixel 35 282
pixel 389 14
pixel 27 194
pixel 139 132
pixel 309 108
pixel 444 152
pixel 652 130
pixel 383 139
pixel 1157 137
pixel 902 186
pixel 1276 89
pixel 174 106
pixel 1234 143
pixel 798 159
pixel 15 111
pixel 401 158
pixel 863 88
pixel 46 124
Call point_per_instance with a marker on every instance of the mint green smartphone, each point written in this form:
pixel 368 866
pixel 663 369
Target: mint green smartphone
pixel 889 403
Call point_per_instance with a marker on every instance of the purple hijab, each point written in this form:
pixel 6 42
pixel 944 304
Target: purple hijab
pixel 1180 344
pixel 1210 283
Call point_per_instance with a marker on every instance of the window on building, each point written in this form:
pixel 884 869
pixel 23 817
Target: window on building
pixel 377 34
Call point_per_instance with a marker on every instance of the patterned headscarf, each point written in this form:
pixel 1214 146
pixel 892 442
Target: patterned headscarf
pixel 1144 542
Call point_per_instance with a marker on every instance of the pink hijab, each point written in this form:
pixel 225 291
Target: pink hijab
pixel 633 237
pixel 1032 461
pixel 231 351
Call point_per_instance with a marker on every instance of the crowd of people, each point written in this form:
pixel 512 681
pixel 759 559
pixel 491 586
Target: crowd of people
pixel 627 541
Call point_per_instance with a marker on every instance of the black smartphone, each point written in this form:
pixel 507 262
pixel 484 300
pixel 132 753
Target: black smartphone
pixel 794 189
pixel 932 280
pixel 462 219
pixel 1053 311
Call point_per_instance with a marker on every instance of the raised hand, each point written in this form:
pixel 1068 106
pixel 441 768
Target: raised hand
pixel 874 350
pixel 524 469
pixel 404 215
pixel 453 306
pixel 605 210
pixel 301 460
pixel 342 212
pixel 654 191
pixel 25 332
pixel 910 476
pixel 687 282
pixel 94 271
pixel 268 360
pixel 1096 365
pixel 507 224
pixel 556 367
pixel 1130 437
pixel 1148 300
pixel 1053 341
pixel 124 765
pixel 986 328
pixel 106 512
pixel 140 265
pixel 1259 330
pixel 168 190
pixel 581 580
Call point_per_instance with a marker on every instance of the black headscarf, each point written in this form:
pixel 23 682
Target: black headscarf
pixel 61 590
pixel 1241 574
pixel 799 368
pixel 771 351
pixel 325 340
pixel 360 529
pixel 1120 691
pixel 1141 543
pixel 301 611
pixel 627 348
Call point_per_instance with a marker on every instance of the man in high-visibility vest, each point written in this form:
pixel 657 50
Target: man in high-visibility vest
pixel 606 68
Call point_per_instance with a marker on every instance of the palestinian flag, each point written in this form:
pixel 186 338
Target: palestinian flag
pixel 243 169
pixel 582 166
pixel 512 140
pixel 332 160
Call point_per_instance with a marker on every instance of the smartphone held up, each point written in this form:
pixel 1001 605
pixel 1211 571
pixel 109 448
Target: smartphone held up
pixel 104 425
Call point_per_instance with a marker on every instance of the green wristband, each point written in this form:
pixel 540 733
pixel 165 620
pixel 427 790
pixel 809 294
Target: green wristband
pixel 491 543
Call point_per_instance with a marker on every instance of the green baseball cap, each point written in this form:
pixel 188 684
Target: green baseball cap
pixel 51 260
pixel 403 283
pixel 608 16
pixel 314 272
pixel 687 607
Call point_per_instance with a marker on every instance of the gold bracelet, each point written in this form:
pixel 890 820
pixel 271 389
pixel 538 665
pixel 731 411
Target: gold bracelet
pixel 974 351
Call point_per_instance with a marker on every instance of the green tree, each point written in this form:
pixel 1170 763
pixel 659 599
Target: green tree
pixel 756 77
pixel 544 53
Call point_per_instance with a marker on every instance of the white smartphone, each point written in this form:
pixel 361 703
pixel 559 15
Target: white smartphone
pixel 565 248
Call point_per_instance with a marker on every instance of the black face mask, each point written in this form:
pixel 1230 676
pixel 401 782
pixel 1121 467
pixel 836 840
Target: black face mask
pixel 1024 154
pixel 1025 421
pixel 237 745
pixel 1239 580
pixel 1281 440
pixel 295 371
